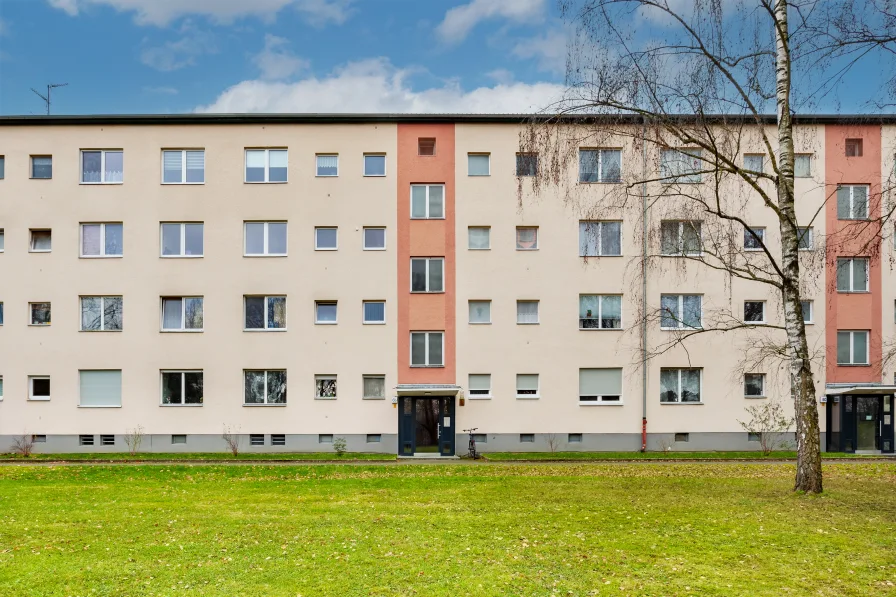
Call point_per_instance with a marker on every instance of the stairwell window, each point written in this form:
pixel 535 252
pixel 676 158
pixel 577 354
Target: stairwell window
pixel 480 312
pixel 427 202
pixel 373 387
pixel 852 347
pixel 600 386
pixel 428 274
pixel 681 166
pixel 266 165
pixel 427 349
pixel 755 162
pixel 479 238
pixel 600 239
pixel 680 385
pixel 183 166
pixel 852 274
pixel 681 311
pixel 600 312
pixel 680 238
pixel 478 164
pixel 600 165
pixel 802 165
pixel 526 238
pixel 102 239
pixel 102 166
pixel 852 202
pixel 806 240
pixel 426 146
pixel 853 148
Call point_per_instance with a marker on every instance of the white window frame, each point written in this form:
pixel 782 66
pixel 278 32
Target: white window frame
pixel 317 173
pixel 31 175
pixel 267 298
pixel 758 232
pixel 183 314
pixel 599 237
pixel 427 336
pixel 806 232
pixel 808 156
pixel 364 164
pixel 534 396
pixel 762 394
pixel 428 216
pixel 811 305
pixel 852 261
pixel 364 319
pixel 2 238
pixel 183 166
pixel 102 311
pixel 489 229
pixel 183 387
pixel 680 252
pixel 852 348
pixel 852 204
pixel 485 154
pixel 761 157
pixel 319 378
pixel 516 238
pixel 31 232
pixel 267 165
pixel 428 290
pixel 600 397
pixel 317 320
pixel 537 312
pixel 31 395
pixel 679 316
pixel 373 376
pixel 469 305
pixel 764 312
pixel 31 313
pixel 183 240
pixel 364 238
pixel 600 312
pixel 103 153
pixel 1 388
pixel 690 177
pixel 600 164
pixel 266 396
pixel 265 238
pixel 102 254
pixel 678 370
pixel 318 247
pixel 488 393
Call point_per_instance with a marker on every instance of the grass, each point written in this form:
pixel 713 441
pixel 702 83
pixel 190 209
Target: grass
pixel 570 530
pixel 200 456
pixel 534 456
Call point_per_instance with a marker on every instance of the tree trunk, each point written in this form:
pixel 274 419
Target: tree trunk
pixel 802 383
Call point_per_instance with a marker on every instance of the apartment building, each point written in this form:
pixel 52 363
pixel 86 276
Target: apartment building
pixel 394 280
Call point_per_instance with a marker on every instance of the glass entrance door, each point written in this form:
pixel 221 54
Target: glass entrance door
pixel 426 424
pixel 868 423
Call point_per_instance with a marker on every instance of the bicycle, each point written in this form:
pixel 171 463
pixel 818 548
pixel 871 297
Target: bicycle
pixel 472 453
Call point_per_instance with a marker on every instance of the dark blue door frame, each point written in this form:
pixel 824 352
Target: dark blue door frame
pixel 409 407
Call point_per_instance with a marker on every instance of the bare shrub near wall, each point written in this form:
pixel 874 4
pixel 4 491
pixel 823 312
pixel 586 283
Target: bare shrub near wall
pixel 133 439
pixel 770 421
pixel 23 445
pixel 553 442
pixel 666 445
pixel 340 446
pixel 231 437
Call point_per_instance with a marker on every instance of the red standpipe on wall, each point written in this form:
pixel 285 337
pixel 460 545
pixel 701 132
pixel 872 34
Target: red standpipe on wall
pixel 644 434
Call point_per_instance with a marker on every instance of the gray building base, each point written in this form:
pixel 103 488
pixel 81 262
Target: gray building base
pixel 618 442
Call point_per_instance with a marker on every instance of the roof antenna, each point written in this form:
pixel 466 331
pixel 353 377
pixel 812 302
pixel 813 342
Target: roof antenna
pixel 46 98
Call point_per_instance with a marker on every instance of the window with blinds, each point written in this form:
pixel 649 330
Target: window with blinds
pixel 183 166
pixel 527 385
pixel 480 385
pixel 100 388
pixel 598 386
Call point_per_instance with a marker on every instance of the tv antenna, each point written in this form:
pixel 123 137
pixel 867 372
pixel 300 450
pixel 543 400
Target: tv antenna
pixel 46 98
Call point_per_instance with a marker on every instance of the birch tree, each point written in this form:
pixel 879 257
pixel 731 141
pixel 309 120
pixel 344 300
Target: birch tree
pixel 690 86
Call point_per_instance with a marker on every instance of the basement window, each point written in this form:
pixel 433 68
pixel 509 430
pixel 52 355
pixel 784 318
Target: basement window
pixel 178 439
pixel 682 437
pixel 527 438
pixel 85 440
pixel 107 440
pixel 374 438
pixel 278 439
pixel 39 439
pixel 325 438
pixel 256 439
pixel 574 438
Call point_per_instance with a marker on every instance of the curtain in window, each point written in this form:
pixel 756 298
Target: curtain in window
pixel 42 167
pixel 374 387
pixel 801 166
pixel 690 237
pixel 436 279
pixel 611 312
pixel 114 239
pixel 91 166
pixel 278 163
pixel 276 387
pixel 255 387
pixel 100 388
pixel 195 166
pixel 254 238
pixel 327 165
pixel 692 307
pixel 91 313
pixel 526 238
pixel 527 312
pixel 754 162
pixel 860 347
pixel 477 164
pixel 611 165
pixel 843 205
pixel 91 235
pixel 669 315
pixel 172 166
pixel 589 165
pixel 276 312
pixel 669 385
pixel 753 384
pixel 669 238
pixel 112 312
pixel 589 311
pixel 40 313
pixel 860 274
pixel 436 202
pixel 255 165
pixel 172 310
pixel 480 311
pixel 843 275
pixel 478 237
pixel 435 349
pixel 114 170
pixel 589 239
pixel 326 387
pixel 860 202
pixel 611 238
pixel 690 385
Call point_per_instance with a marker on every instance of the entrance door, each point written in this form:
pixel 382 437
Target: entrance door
pixel 868 423
pixel 426 426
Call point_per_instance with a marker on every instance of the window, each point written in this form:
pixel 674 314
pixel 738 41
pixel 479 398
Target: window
pixel 808 311
pixel 102 166
pixel 526 238
pixel 806 242
pixel 680 385
pixel 754 238
pixel 179 439
pixel 754 162
pixel 426 349
pixel 39 439
pixel 852 347
pixel 754 385
pixel 40 313
pixel 598 239
pixel 102 240
pixel 527 438
pixel 853 148
pixel 265 238
pixel 374 312
pixel 802 165
pixel 526 312
pixel 325 312
pixel 325 438
pixel 374 239
pixel 600 312
pixel 480 385
pixel 600 386
pixel 426 146
pixel 574 438
pixel 85 440
pixel 2 167
pixel 427 274
pixel 1 387
pixel 374 164
pixel 256 439
pixel 478 238
pixel 754 436
pixel 278 439
pixel 182 239
pixel 107 440
pixel 1 312
pixel 600 165
pixel 41 241
pixel 478 164
pixel 681 165
pixel 526 164
pixel 325 239
pixel 374 387
pixel 681 311
pixel 374 438
pixel 325 387
pixel 427 201
pixel 852 274
pixel 852 202
pixel 181 388
pixel 101 313
pixel 38 387
pixel 183 166
pixel 527 385
pixel 182 313
pixel 480 438
pixel 100 388
pixel 480 311
pixel 754 311
pixel 2 241
pixel 266 165
pixel 682 437
pixel 264 312
pixel 680 237
pixel 265 387
pixel 327 165
pixel 41 166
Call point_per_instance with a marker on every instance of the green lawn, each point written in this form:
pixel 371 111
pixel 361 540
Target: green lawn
pixel 507 456
pixel 199 456
pixel 431 530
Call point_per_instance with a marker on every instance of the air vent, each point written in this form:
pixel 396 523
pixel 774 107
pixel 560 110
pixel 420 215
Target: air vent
pixel 278 440
pixel 107 440
pixel 85 440
pixel 256 439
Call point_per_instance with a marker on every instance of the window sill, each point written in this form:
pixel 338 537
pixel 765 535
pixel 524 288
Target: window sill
pixel 95 256
pixel 326 176
pixel 374 248
pixel 101 183
pixel 479 249
pixel 423 219
pixel 680 329
pixel 374 175
pixel 373 397
pixel 428 366
pixel 598 256
pixel 528 397
pixel 325 398
pixel 480 397
pixel 620 403
pixel 326 248
pixel 100 331
pixel 180 405
pixel 265 181
pixel 97 406
pixel 588 182
pixel 261 255
pixel 480 323
pixel 181 184
pixel 755 322
pixel 519 249
pixel 427 292
pixel 373 323
pixel 853 292
pixel 853 364
pixel 38 325
pixel 325 323
pixel 681 403
pixel 181 256
pixel 263 405
pixel 681 255
pixel 181 331
pixel 747 250
pixel 523 323
pixel 755 397
pixel 40 251
pixel 264 329
pixel 619 329
pixel 33 399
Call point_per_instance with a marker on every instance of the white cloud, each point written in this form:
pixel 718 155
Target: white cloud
pixel 163 12
pixel 549 49
pixel 501 76
pixel 460 20
pixel 375 85
pixel 173 55
pixel 275 61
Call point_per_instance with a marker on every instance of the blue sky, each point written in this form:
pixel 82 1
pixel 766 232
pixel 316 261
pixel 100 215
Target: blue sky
pixel 167 56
